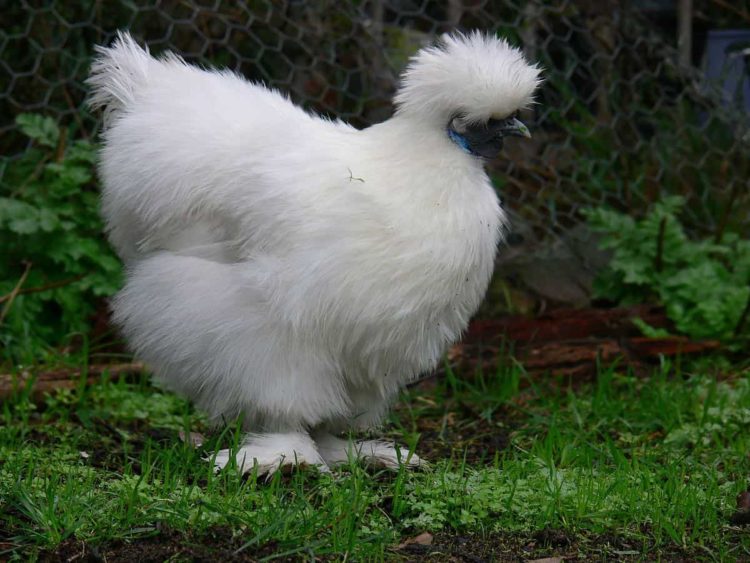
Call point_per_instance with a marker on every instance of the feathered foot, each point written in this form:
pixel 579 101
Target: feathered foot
pixel 336 451
pixel 271 452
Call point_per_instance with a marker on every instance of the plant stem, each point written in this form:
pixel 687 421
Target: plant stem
pixel 61 145
pixel 54 285
pixel 12 295
pixel 658 262
pixel 721 227
pixel 743 317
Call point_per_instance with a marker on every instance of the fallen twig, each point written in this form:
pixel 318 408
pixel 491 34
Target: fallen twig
pixel 47 382
pixel 574 343
pixel 567 324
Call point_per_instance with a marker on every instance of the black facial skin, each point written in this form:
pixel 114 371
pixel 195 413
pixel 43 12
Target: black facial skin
pixel 486 139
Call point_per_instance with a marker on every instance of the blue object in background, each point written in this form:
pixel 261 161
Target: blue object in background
pixel 727 62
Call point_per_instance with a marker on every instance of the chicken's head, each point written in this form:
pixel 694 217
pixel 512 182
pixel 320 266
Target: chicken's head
pixel 471 85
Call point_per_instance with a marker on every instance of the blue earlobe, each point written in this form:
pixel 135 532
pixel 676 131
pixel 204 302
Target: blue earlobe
pixel 460 140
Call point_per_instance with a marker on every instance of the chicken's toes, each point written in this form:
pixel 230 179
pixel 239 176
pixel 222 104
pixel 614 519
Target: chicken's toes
pixel 336 451
pixel 266 466
pixel 270 453
pixel 388 455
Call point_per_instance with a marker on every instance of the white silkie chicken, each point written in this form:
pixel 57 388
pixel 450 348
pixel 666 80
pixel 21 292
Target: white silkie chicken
pixel 291 270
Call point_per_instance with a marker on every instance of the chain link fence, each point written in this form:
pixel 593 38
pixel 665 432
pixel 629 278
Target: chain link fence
pixel 618 121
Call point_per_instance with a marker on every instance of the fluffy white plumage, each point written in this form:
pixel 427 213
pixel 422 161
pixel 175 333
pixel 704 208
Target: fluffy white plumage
pixel 292 270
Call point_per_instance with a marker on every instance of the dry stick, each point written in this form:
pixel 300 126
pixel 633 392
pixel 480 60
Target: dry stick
pixel 39 289
pixel 72 105
pixel 69 373
pixel 12 295
pixel 47 382
pixel 728 6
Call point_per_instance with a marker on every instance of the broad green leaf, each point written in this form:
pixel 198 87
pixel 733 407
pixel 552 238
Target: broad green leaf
pixel 41 129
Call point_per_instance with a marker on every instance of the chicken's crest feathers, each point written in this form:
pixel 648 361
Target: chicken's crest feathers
pixel 476 75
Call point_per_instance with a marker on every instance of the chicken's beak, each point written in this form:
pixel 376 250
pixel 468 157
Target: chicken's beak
pixel 513 127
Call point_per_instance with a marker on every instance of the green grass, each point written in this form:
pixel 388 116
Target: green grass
pixel 640 467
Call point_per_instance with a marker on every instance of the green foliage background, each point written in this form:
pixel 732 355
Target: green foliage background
pixel 704 284
pixel 52 237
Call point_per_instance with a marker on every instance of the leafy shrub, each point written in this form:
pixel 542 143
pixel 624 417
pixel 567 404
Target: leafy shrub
pixel 704 285
pixel 56 263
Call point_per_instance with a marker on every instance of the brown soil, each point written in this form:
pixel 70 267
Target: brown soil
pixel 547 545
pixel 167 545
pixel 221 545
pixel 475 440
pixel 455 428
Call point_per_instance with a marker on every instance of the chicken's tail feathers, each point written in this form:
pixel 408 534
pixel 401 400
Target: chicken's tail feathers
pixel 116 74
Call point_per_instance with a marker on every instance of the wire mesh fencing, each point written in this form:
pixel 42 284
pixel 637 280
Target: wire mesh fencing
pixel 618 121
